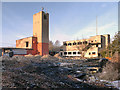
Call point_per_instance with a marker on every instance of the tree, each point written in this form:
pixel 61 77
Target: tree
pixel 116 43
pixel 57 43
pixel 54 47
pixel 57 46
pixel 51 46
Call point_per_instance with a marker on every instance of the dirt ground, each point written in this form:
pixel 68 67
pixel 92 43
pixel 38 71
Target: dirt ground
pixel 48 72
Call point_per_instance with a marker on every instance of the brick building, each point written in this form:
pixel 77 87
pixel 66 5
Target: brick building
pixel 39 42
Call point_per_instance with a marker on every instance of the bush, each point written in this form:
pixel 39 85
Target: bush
pixel 110 71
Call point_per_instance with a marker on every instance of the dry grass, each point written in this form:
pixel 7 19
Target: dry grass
pixel 110 71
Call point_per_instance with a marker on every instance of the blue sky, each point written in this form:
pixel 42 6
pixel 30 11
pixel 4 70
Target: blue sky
pixel 68 20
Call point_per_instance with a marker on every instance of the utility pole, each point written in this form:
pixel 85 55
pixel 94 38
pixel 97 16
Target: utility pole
pixel 96 26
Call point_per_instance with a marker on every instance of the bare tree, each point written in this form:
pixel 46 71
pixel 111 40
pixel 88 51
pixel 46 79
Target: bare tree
pixel 51 46
pixel 57 46
pixel 57 43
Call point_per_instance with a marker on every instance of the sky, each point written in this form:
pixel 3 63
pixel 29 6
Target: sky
pixel 68 20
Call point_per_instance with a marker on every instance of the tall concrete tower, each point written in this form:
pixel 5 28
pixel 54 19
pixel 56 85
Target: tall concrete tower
pixel 41 31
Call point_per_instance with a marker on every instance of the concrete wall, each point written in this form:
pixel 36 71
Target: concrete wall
pixel 37 26
pixel 91 50
pixel 75 47
pixel 41 31
pixel 107 40
pixel 41 27
pixel 101 40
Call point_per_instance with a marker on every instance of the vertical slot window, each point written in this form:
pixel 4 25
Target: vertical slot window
pixel 27 43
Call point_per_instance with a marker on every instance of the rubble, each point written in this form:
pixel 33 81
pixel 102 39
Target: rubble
pixel 58 56
pixel 47 72
pixel 48 57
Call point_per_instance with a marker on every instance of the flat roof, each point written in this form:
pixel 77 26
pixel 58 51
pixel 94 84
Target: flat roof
pixel 27 37
pixel 15 48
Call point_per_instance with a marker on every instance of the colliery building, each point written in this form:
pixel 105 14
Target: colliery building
pixel 36 44
pixel 88 48
pixel 39 42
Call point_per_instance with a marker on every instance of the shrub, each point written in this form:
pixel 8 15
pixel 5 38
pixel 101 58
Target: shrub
pixel 110 71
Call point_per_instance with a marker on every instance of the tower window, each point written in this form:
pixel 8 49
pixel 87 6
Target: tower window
pixel 27 43
pixel 45 17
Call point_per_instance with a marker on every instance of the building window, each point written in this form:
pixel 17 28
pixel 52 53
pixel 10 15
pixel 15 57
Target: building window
pixel 79 43
pixel 65 44
pixel 27 43
pixel 74 43
pixel 89 53
pixel 45 17
pixel 69 52
pixel 79 52
pixel 91 41
pixel 74 52
pixel 85 42
pixel 69 44
pixel 61 54
pixel 65 53
pixel 93 52
pixel 97 45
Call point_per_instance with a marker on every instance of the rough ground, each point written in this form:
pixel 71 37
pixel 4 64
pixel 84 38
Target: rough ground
pixel 48 72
